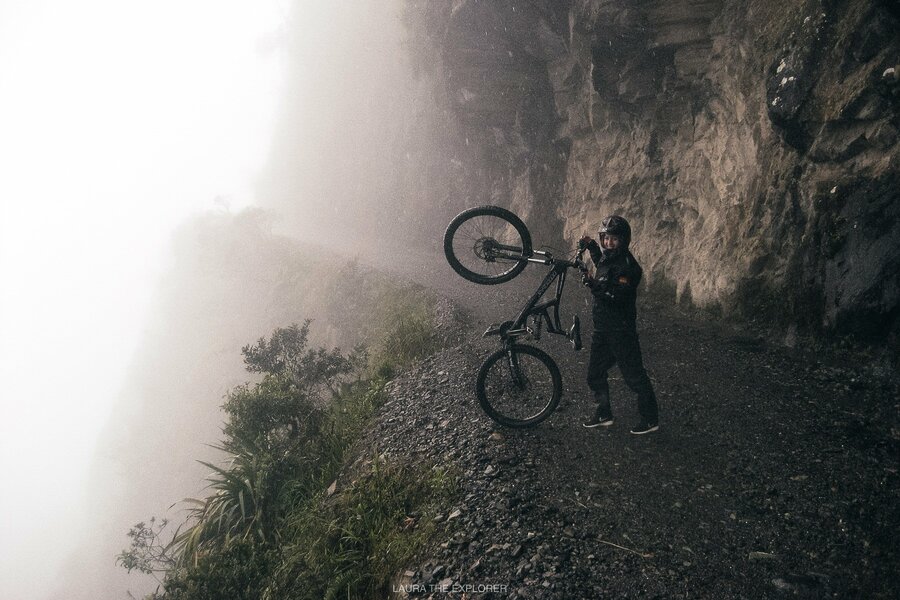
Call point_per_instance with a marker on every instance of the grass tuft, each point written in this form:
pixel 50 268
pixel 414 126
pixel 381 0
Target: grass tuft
pixel 350 545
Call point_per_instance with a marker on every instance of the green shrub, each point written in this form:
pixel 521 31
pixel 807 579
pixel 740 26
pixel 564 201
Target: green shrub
pixel 239 571
pixel 350 545
pixel 394 320
pixel 404 329
pixel 297 384
pixel 354 406
pixel 286 438
pixel 247 503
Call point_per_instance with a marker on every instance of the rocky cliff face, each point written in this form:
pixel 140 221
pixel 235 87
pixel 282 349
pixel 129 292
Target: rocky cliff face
pixel 752 145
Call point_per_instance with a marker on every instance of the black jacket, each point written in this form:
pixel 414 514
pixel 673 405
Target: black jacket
pixel 615 290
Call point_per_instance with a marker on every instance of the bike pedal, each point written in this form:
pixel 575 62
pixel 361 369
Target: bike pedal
pixel 575 333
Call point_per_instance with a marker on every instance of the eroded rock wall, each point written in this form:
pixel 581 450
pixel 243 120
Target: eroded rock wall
pixel 752 145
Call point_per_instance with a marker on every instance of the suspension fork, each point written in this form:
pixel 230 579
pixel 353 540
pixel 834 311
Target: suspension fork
pixel 515 370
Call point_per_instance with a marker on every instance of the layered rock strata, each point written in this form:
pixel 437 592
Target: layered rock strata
pixel 753 145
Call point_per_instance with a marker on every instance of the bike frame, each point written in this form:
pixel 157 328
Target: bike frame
pixel 510 330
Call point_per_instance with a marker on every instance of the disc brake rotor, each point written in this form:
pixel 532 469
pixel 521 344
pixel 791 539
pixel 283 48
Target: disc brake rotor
pixel 486 249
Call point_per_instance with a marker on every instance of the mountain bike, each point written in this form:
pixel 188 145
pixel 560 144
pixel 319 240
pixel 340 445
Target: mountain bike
pixel 518 385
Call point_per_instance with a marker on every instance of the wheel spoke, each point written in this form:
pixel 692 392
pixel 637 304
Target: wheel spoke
pixel 525 400
pixel 475 240
pixel 471 238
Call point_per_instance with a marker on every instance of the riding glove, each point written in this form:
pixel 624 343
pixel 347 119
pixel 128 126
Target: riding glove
pixel 587 243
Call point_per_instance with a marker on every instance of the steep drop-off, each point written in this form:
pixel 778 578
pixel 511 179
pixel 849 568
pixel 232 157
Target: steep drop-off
pixel 753 145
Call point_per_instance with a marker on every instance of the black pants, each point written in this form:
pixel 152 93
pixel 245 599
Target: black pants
pixel 621 347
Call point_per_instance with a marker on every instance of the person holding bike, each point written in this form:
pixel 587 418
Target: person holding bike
pixel 614 339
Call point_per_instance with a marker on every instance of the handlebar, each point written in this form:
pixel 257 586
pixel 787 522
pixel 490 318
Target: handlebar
pixel 576 264
pixel 545 258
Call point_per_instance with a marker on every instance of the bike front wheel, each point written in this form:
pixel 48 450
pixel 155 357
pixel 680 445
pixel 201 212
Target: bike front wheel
pixel 487 244
pixel 519 386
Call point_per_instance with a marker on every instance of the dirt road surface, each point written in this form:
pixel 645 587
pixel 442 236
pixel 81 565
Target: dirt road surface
pixel 774 473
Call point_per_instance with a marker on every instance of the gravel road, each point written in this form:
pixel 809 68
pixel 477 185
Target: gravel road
pixel 774 473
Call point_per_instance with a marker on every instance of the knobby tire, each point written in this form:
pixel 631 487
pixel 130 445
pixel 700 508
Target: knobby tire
pixel 493 395
pixel 461 246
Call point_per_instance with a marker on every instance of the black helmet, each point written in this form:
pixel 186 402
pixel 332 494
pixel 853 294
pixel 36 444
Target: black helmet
pixel 616 225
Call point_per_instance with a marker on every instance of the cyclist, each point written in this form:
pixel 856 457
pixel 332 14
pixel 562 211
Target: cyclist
pixel 614 339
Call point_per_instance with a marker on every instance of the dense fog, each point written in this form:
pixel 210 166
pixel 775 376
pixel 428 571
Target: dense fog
pixel 137 141
pixel 179 179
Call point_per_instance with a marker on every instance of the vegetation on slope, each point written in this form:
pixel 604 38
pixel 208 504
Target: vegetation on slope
pixel 274 524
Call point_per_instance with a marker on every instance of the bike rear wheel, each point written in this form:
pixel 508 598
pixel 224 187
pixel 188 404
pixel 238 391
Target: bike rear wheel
pixel 487 244
pixel 519 386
